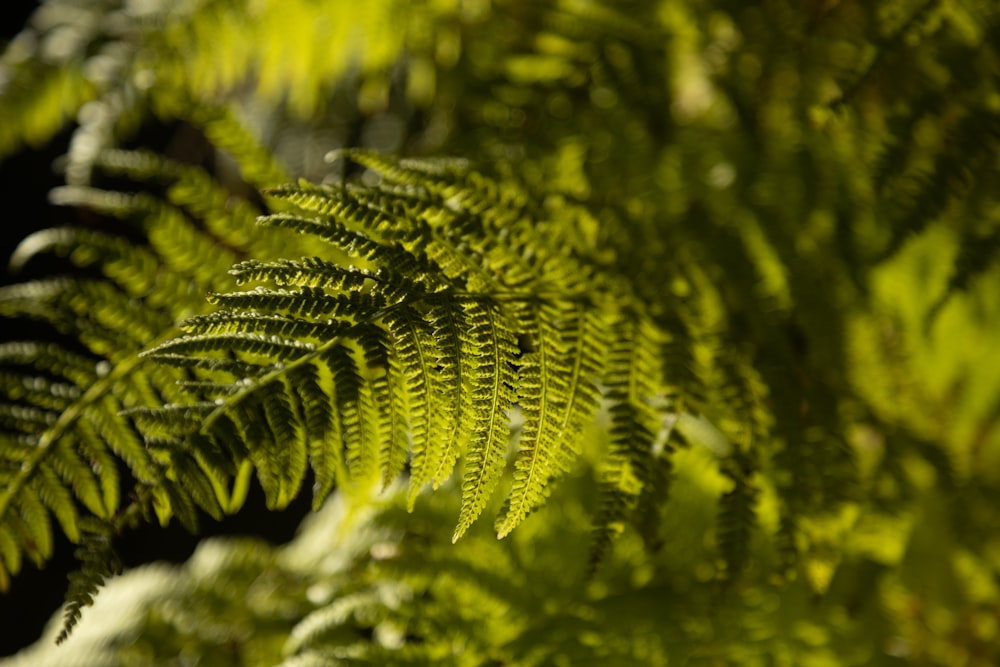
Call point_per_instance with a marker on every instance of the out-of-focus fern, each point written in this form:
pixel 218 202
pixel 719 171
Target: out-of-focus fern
pixel 63 407
pixel 366 582
pixel 742 236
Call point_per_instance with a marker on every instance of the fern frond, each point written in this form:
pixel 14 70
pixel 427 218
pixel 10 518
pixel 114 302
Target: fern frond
pixel 98 562
pixel 180 245
pixel 62 457
pixel 632 381
pixel 324 625
pixel 251 345
pixel 557 395
pixel 96 495
pixel 736 516
pixel 451 424
pixel 226 322
pixel 415 383
pixel 74 420
pixel 229 219
pixel 39 97
pixel 313 385
pixel 419 358
pixel 358 419
pixel 490 349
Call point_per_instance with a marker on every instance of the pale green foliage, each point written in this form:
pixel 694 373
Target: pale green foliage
pixel 738 252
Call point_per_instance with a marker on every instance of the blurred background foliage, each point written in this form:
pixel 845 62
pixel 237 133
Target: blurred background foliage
pixel 817 180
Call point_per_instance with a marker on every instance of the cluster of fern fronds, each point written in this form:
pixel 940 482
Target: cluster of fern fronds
pixel 368 583
pixel 571 240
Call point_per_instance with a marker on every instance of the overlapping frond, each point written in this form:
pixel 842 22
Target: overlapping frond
pixel 635 425
pixel 558 395
pixel 418 353
pixel 70 455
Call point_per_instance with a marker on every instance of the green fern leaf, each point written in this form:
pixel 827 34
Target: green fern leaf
pixel 491 348
pixel 313 385
pixel 358 420
pixel 386 381
pixel 451 423
pixel 73 471
pixel 633 386
pixel 557 395
pixel 98 562
pixel 418 380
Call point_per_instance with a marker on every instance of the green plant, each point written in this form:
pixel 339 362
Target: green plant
pixel 687 289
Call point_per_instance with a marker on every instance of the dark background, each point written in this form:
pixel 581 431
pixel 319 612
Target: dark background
pixel 25 179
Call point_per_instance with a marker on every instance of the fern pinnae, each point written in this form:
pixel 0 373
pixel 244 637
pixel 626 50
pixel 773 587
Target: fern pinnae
pixel 58 303
pixel 254 346
pixel 59 501
pixel 581 335
pixel 388 402
pixel 331 203
pixel 307 302
pixel 555 398
pixel 419 269
pixel 120 438
pixel 312 385
pixel 413 381
pixel 356 410
pixel 10 556
pixel 96 452
pixel 50 358
pixel 440 240
pixel 215 461
pixel 235 367
pixel 139 165
pixel 306 272
pixel 192 476
pixel 258 165
pixel 631 377
pixel 77 474
pixel 355 418
pixel 621 478
pixel 215 476
pixel 459 253
pixel 286 448
pixel 98 562
pixel 171 419
pixel 34 524
pixel 454 424
pixel 208 389
pixel 101 311
pixel 132 268
pixel 37 390
pixel 441 178
pixel 227 218
pixel 78 424
pixel 378 163
pixel 223 322
pixel 177 242
pixel 230 439
pixel 492 348
pixel 386 418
